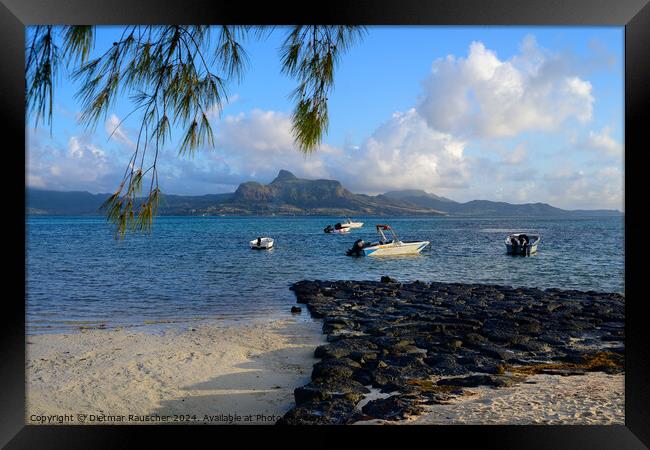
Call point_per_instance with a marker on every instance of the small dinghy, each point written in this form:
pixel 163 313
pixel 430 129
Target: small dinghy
pixel 336 229
pixel 522 243
pixel 385 246
pixel 262 243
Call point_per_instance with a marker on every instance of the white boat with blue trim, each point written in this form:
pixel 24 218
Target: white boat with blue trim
pixel 386 246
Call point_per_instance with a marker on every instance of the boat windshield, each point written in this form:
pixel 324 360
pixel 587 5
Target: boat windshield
pixel 384 239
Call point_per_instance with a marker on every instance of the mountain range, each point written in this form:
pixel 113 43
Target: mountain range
pixel 289 195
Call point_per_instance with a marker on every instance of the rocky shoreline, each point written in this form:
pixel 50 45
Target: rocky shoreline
pixel 419 344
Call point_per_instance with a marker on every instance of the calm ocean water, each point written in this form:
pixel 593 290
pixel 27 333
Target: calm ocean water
pixel 201 267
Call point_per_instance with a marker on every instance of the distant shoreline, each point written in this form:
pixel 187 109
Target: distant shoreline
pixel 290 195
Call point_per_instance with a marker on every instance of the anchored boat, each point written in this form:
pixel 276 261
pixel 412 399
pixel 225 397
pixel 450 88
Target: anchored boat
pixel 262 243
pixel 350 224
pixel 522 244
pixel 385 246
pixel 336 229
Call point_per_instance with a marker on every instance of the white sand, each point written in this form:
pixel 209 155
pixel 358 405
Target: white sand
pixel 215 370
pixel 594 398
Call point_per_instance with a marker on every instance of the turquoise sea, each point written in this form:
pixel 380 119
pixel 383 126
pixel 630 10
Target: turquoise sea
pixel 193 268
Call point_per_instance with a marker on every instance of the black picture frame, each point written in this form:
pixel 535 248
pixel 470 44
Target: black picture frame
pixel 634 15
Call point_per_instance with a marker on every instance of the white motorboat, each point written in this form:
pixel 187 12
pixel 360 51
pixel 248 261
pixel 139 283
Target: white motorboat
pixel 387 247
pixel 336 229
pixel 350 224
pixel 522 243
pixel 262 243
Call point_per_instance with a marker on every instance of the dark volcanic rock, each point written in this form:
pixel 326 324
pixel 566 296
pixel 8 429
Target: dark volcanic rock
pixel 387 279
pixel 395 407
pixel 390 377
pixel 354 348
pixel 479 363
pixel 397 337
pixel 477 380
pixel 335 369
pixel 350 390
pixel 446 364
pixel 331 412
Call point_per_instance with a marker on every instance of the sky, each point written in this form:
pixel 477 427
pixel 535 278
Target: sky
pixel 516 114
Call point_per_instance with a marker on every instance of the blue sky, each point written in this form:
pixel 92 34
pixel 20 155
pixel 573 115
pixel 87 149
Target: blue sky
pixel 518 114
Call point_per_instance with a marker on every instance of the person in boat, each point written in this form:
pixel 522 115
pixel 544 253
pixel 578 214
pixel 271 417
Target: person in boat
pixel 259 241
pixel 523 243
pixel 515 244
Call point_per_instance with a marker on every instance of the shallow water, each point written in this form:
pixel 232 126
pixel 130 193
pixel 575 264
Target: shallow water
pixel 201 267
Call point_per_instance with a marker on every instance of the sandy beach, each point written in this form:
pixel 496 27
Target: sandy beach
pixel 246 373
pixel 592 399
pixel 242 374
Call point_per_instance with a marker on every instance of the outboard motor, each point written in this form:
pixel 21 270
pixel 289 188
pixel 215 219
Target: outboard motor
pixel 328 229
pixel 357 248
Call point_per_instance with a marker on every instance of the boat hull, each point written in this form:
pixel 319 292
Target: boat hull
pixel 529 250
pixel 265 245
pixel 396 249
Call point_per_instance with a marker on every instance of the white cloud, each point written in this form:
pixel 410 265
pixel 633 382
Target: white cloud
pixel 80 148
pixel 261 142
pixel 581 189
pixel 258 131
pixel 79 165
pixel 483 96
pixel 216 111
pixel 248 146
pixel 402 153
pixel 406 153
pixel 116 131
pixel 522 194
pixel 603 142
pixel 515 157
pixel 566 187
